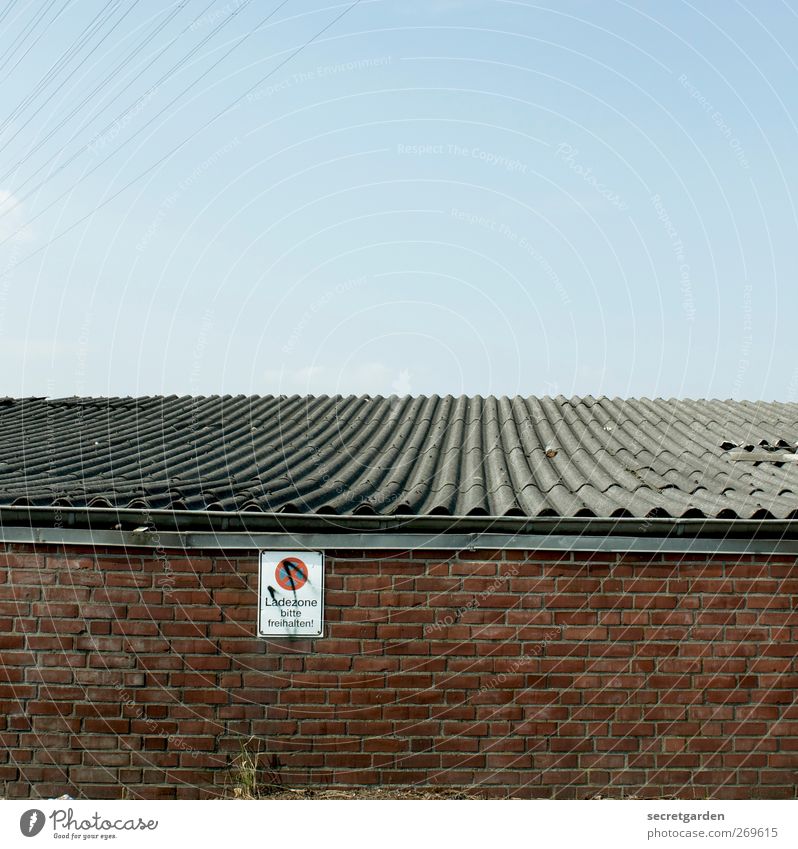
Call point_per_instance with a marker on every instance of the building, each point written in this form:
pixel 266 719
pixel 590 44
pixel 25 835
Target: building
pixel 538 597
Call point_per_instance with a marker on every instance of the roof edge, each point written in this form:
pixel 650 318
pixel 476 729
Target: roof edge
pixel 185 543
pixel 143 522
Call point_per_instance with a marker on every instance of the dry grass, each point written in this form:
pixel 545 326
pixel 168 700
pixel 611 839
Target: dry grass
pixel 372 793
pixel 256 775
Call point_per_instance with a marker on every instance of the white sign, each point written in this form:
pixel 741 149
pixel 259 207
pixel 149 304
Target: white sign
pixel 291 594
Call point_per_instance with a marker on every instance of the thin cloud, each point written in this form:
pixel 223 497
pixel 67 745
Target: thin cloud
pixel 12 219
pixel 364 378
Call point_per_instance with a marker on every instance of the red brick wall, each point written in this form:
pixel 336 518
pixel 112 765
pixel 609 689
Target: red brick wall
pixel 533 674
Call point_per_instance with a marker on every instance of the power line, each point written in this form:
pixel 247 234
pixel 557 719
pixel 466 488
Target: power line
pixel 60 63
pixel 176 67
pixel 156 56
pixel 36 41
pixel 8 8
pixel 25 33
pixel 122 64
pixel 70 74
pixel 127 141
pixel 179 146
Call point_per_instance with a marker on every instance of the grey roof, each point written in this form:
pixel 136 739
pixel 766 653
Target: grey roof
pixel 418 456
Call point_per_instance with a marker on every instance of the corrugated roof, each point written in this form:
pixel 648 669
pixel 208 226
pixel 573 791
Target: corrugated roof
pixel 417 456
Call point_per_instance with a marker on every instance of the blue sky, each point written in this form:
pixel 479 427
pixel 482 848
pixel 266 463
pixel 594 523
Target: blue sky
pixel 451 196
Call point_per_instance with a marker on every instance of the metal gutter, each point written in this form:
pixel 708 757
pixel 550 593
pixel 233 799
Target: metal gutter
pixel 186 523
pixel 234 541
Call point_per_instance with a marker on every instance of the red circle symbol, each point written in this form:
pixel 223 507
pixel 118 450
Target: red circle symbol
pixel 291 573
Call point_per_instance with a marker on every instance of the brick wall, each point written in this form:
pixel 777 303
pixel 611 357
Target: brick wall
pixel 532 674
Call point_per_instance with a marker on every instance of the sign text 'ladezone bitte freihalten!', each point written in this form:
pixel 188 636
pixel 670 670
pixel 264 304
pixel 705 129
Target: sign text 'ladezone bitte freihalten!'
pixel 291 594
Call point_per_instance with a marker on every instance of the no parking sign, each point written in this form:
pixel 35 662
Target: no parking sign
pixel 291 594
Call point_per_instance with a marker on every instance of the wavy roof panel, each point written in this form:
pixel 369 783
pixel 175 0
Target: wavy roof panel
pixel 432 455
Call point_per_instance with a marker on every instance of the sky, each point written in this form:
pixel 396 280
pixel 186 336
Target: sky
pixel 427 196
